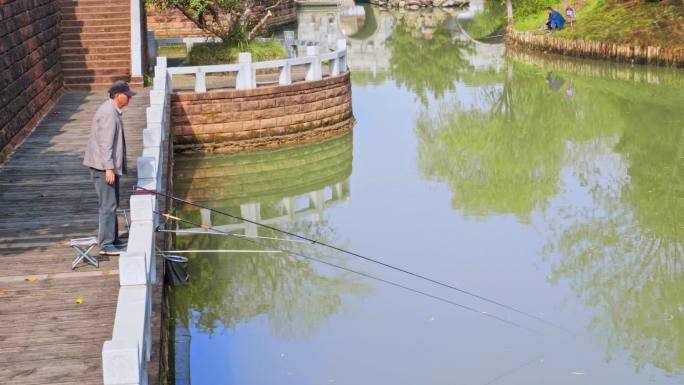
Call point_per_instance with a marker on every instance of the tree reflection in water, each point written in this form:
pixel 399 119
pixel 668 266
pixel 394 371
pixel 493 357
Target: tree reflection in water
pixel 294 296
pixel 417 36
pixel 506 153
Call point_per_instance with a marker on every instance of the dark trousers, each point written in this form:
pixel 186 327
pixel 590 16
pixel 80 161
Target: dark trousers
pixel 108 202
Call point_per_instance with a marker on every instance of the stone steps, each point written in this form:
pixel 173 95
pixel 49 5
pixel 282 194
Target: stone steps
pixel 95 43
pixel 91 83
pixel 96 28
pixel 115 62
pixel 103 71
pixel 88 43
pixel 122 33
pixel 118 20
pixel 119 50
pixel 94 57
pixel 96 14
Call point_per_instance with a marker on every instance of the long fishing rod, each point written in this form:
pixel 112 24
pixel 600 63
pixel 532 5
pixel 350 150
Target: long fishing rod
pixel 388 282
pixel 378 262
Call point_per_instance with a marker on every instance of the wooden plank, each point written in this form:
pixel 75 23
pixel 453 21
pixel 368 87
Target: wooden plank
pixel 47 197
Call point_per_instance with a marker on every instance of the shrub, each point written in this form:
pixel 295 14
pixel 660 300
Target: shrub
pixel 224 53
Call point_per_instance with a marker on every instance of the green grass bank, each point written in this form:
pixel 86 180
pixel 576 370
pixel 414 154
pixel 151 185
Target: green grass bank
pixel 636 23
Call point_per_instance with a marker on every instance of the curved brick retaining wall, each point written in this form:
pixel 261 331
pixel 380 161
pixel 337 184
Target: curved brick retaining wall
pixel 596 49
pixel 31 74
pixel 172 23
pixel 236 120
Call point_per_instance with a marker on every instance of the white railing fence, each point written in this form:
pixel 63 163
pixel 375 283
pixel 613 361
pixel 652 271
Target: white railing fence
pixel 288 40
pixel 246 69
pixel 125 356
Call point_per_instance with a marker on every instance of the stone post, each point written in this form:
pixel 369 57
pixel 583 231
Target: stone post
pixel 246 77
pixel 314 72
pixel 290 44
pixel 342 46
pixel 136 39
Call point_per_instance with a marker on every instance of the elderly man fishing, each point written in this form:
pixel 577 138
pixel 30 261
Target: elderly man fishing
pixel 106 156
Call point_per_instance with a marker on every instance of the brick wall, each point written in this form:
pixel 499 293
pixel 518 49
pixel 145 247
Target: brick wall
pixel 31 80
pixel 235 120
pixel 673 57
pixel 172 23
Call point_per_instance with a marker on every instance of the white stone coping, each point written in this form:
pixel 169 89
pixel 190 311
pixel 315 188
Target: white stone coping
pixel 125 356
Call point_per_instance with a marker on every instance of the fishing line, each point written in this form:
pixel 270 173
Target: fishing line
pixel 388 282
pixel 378 262
pixel 232 234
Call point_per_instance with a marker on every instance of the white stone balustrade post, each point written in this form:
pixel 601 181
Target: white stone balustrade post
pixel 342 49
pixel 246 77
pixel 314 72
pixel 289 42
pixel 162 79
pixel 285 77
pixel 200 81
pixel 120 363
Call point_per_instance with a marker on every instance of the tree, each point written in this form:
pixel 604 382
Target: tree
pixel 234 21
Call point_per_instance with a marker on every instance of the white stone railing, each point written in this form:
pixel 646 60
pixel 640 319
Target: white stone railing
pixel 125 356
pixel 189 42
pixel 245 69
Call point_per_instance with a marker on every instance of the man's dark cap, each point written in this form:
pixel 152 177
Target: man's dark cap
pixel 120 87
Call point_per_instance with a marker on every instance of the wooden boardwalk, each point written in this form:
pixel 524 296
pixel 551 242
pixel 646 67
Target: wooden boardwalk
pixel 46 198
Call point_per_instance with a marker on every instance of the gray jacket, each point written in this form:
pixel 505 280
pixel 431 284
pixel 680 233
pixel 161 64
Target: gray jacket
pixel 106 148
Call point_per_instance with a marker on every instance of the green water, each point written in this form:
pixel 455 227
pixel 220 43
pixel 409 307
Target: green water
pixel 550 185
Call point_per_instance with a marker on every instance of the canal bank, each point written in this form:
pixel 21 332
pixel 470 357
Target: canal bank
pixel 551 189
pixel 635 32
pixel 636 54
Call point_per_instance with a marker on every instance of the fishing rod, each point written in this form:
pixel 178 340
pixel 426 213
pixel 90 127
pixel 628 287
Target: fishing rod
pixel 352 253
pixel 233 234
pixel 388 282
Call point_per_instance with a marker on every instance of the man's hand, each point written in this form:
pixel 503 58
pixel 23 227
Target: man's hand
pixel 110 177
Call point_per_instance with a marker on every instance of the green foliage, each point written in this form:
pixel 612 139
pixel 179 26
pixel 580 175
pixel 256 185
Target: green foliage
pixel 525 8
pixel 654 24
pixel 409 49
pixel 222 53
pixel 234 21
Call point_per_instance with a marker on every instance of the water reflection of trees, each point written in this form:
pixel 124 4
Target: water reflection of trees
pixel 503 153
pixel 624 254
pixel 418 37
pixel 292 295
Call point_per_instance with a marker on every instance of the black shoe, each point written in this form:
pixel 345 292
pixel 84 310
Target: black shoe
pixel 110 250
pixel 120 244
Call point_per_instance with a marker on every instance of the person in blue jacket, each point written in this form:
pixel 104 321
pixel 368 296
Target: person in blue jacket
pixel 555 21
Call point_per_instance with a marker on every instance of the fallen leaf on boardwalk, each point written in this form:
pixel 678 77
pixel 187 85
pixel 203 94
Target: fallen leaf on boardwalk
pixel 79 300
pixel 31 279
pixel 3 293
